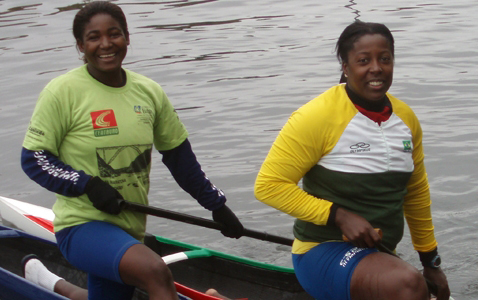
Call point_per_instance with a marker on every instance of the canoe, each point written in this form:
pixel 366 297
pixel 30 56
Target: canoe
pixel 27 229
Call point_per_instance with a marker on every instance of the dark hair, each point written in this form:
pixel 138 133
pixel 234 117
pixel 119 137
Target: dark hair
pixel 98 7
pixel 355 31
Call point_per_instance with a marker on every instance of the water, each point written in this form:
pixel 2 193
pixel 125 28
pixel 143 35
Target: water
pixel 235 70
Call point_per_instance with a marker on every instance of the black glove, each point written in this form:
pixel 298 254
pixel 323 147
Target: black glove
pixel 103 196
pixel 232 226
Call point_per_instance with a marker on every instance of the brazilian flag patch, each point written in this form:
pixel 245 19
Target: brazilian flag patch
pixel 407 146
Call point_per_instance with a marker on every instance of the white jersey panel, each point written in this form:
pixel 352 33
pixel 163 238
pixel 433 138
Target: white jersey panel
pixel 366 147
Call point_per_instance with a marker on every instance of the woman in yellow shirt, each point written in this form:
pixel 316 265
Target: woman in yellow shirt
pixel 359 152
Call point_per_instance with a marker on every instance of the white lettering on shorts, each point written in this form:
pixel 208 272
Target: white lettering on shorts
pixel 348 256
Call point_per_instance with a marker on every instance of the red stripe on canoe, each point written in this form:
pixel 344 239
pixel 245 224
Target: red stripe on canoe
pixel 193 294
pixel 47 224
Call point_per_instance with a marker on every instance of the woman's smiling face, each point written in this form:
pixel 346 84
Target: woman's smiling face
pixel 104 44
pixel 369 67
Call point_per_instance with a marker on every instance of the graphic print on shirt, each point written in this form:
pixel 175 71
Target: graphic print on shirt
pixel 104 122
pixel 119 165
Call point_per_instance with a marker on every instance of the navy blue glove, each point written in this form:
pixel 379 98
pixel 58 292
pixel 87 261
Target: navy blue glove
pixel 232 226
pixel 103 196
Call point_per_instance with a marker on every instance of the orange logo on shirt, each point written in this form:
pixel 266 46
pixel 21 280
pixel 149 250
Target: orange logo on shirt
pixel 103 119
pixel 104 122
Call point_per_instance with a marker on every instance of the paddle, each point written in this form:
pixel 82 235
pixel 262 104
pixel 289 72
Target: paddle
pixel 176 216
pixel 432 287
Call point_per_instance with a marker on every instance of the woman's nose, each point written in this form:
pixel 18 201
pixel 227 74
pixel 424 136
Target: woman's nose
pixel 376 67
pixel 105 42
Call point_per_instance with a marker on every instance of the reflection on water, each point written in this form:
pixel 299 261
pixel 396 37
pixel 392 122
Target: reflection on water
pixel 188 3
pixel 200 25
pixel 355 11
pixel 18 8
pixel 73 7
pixel 235 70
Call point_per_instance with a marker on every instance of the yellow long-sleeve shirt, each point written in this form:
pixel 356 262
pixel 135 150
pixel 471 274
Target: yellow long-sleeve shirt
pixel 343 157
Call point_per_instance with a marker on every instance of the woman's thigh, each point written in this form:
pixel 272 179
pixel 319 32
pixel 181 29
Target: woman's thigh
pixel 96 248
pixel 325 271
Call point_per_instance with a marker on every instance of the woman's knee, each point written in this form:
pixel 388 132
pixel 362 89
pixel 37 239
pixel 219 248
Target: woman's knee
pixel 159 271
pixel 406 283
pixel 412 284
pixel 143 268
pixel 382 276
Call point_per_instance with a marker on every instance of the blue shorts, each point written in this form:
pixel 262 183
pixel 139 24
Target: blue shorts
pixel 97 248
pixel 325 271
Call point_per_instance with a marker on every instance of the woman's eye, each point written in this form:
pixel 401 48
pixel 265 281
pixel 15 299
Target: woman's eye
pixel 116 34
pixel 386 60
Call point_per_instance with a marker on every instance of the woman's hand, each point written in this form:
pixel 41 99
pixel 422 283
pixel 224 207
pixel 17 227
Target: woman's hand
pixel 103 196
pixel 438 277
pixel 357 229
pixel 232 226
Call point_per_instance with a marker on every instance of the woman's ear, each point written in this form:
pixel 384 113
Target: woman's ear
pixel 80 46
pixel 344 69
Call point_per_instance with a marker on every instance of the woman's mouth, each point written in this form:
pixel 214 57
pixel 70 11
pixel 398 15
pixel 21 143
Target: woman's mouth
pixel 106 56
pixel 375 83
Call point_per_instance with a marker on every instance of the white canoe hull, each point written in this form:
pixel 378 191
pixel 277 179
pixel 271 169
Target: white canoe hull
pixel 27 217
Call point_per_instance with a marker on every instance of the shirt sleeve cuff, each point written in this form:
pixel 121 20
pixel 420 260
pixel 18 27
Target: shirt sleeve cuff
pixel 333 212
pixel 427 257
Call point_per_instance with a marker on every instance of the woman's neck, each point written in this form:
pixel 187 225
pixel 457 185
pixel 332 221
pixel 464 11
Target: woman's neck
pixel 113 79
pixel 376 106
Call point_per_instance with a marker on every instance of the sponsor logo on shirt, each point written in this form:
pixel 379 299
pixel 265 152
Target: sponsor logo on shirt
pixel 104 122
pixel 359 147
pixel 407 146
pixel 144 114
pixel 35 131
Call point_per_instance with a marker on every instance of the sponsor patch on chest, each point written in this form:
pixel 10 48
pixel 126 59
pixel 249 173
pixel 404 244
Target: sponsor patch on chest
pixel 360 147
pixel 104 122
pixel 407 146
pixel 144 114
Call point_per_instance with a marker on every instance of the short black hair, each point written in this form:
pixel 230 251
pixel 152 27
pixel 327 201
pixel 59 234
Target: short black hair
pixel 91 9
pixel 355 31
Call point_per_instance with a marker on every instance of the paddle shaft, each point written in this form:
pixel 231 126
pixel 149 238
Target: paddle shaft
pixel 180 217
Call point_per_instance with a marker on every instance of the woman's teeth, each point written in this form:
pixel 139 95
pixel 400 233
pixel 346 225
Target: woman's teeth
pixel 375 83
pixel 107 55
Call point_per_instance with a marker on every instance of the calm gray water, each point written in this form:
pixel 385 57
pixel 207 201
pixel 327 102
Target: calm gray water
pixel 235 70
